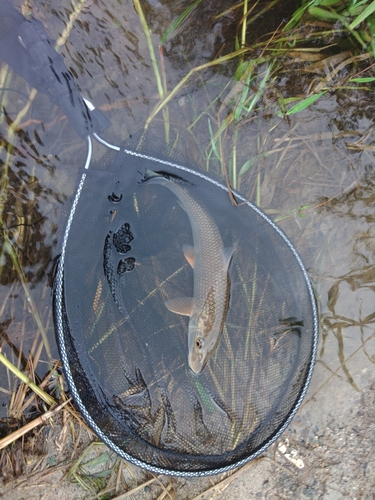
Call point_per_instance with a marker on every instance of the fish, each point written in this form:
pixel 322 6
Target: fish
pixel 210 261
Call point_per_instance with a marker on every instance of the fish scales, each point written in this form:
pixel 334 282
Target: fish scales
pixel 210 261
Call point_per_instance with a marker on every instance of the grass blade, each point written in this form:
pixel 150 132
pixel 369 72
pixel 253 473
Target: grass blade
pixel 300 106
pixel 370 9
pixel 39 392
pixel 172 28
pixel 150 47
pixel 212 140
pixel 186 78
pixel 363 80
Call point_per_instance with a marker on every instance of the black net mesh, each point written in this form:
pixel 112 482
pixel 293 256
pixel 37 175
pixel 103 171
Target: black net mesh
pixel 126 355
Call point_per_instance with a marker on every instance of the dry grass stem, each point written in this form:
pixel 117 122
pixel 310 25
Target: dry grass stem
pixel 72 17
pixel 30 426
pixel 185 79
pixel 354 59
pixel 218 488
pixel 137 488
pixel 166 492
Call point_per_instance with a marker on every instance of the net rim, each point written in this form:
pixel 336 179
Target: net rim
pixel 58 313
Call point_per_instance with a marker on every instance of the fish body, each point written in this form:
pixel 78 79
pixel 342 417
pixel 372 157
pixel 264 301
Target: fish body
pixel 210 260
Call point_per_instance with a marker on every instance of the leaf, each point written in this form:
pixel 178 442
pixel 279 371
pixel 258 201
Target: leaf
pixel 297 16
pixel 323 14
pixel 212 139
pixel 301 210
pixel 236 44
pixel 245 167
pixel 99 460
pixel 329 3
pixel 242 68
pixel 304 104
pixel 178 21
pixel 245 90
pixel 363 80
pixel 370 9
pixel 161 104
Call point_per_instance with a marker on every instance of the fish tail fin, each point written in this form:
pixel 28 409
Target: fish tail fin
pixel 228 254
pixel 154 177
pixel 161 177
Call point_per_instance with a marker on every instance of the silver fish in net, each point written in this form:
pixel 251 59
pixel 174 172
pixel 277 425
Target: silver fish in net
pixel 210 261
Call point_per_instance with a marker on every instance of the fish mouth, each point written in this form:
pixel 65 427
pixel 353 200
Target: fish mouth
pixel 196 368
pixel 196 363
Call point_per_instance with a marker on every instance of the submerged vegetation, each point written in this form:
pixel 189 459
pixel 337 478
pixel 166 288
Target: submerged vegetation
pixel 258 69
pixel 325 46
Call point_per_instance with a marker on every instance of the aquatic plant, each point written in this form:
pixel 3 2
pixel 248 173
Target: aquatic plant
pixel 320 34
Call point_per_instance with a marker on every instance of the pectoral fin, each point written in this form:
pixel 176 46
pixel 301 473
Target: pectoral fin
pixel 181 305
pixel 227 255
pixel 189 254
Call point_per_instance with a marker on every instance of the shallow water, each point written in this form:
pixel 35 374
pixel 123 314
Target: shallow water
pixel 314 175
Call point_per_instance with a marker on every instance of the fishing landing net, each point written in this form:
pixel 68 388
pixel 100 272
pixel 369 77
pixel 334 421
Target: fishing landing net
pixel 125 354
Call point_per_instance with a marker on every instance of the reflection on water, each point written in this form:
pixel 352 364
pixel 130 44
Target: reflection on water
pixel 313 174
pixel 350 296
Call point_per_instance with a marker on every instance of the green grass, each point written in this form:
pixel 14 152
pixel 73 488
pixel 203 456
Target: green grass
pixel 334 27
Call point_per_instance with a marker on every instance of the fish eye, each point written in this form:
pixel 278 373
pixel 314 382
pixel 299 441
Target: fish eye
pixel 199 343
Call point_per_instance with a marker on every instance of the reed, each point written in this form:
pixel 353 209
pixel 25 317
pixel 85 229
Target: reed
pixel 160 80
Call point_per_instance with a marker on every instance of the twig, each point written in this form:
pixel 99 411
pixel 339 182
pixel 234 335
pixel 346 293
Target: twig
pixel 31 425
pixel 166 491
pixel 137 488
